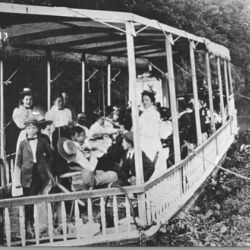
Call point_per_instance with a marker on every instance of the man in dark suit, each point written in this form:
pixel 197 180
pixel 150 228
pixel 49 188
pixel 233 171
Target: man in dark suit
pixel 34 159
pixel 126 173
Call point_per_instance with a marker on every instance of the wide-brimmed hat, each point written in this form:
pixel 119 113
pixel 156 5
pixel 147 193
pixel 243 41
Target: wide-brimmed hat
pixel 32 121
pixel 44 122
pixel 26 91
pixel 66 148
pixel 128 136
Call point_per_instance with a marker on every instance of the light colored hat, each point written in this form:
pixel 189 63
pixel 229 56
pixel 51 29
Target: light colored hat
pixel 66 148
pixel 26 91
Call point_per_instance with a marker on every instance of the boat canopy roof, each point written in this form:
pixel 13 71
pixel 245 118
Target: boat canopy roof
pixel 73 34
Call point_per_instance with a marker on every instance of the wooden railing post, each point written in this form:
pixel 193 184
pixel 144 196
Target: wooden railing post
pixel 221 91
pixel 172 93
pixel 109 82
pixel 210 91
pixel 195 93
pixel 130 32
pixel 83 82
pixel 48 80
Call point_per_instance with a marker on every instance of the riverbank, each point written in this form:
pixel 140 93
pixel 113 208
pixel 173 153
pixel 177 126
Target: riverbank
pixel 221 215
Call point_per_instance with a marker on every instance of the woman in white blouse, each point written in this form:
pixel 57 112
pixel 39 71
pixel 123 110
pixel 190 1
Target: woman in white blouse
pixel 150 126
pixel 25 110
pixel 60 115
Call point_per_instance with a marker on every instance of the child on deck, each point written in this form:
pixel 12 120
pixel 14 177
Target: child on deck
pixel 34 158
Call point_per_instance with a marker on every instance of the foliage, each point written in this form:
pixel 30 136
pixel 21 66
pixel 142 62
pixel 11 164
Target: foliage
pixel 220 217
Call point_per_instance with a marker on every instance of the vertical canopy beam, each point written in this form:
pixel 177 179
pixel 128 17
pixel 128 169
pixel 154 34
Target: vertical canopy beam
pixel 83 83
pixel 48 80
pixel 109 82
pixel 210 92
pixel 130 31
pixel 195 92
pixel 1 111
pixel 135 111
pixel 221 91
pixel 172 93
pixel 226 84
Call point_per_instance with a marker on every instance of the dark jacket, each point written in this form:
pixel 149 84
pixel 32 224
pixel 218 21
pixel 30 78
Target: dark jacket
pixel 44 157
pixel 128 168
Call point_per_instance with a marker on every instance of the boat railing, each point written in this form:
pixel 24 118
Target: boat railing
pixel 163 197
pixel 167 194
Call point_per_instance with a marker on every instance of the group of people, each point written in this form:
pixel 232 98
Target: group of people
pixel 102 154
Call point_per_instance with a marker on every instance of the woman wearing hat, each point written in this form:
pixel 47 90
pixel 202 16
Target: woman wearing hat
pixel 25 109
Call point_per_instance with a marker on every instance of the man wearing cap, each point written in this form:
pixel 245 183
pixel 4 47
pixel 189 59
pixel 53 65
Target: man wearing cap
pixel 34 159
pixel 126 173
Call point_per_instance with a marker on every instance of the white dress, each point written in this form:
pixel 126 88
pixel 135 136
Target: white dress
pixel 21 114
pixel 60 118
pixel 149 129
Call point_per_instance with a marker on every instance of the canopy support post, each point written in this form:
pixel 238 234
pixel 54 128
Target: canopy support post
pixel 221 91
pixel 48 80
pixel 210 92
pixel 226 85
pixel 2 135
pixel 172 93
pixel 135 118
pixel 195 93
pixel 1 111
pixel 83 82
pixel 109 82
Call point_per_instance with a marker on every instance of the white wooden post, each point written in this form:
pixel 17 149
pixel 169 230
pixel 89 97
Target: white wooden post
pixel 109 82
pixel 135 111
pixel 130 32
pixel 172 93
pixel 226 84
pixel 210 91
pixel 1 112
pixel 195 93
pixel 48 81
pixel 221 91
pixel 83 83
pixel 230 78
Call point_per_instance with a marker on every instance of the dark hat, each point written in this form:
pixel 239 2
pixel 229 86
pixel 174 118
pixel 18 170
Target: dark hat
pixel 32 121
pixel 44 122
pixel 128 136
pixel 26 91
pixel 66 148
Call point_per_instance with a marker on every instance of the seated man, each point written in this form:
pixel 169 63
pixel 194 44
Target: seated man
pixel 126 173
pixel 73 151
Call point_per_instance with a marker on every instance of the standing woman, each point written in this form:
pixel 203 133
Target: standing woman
pixel 149 125
pixel 25 110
